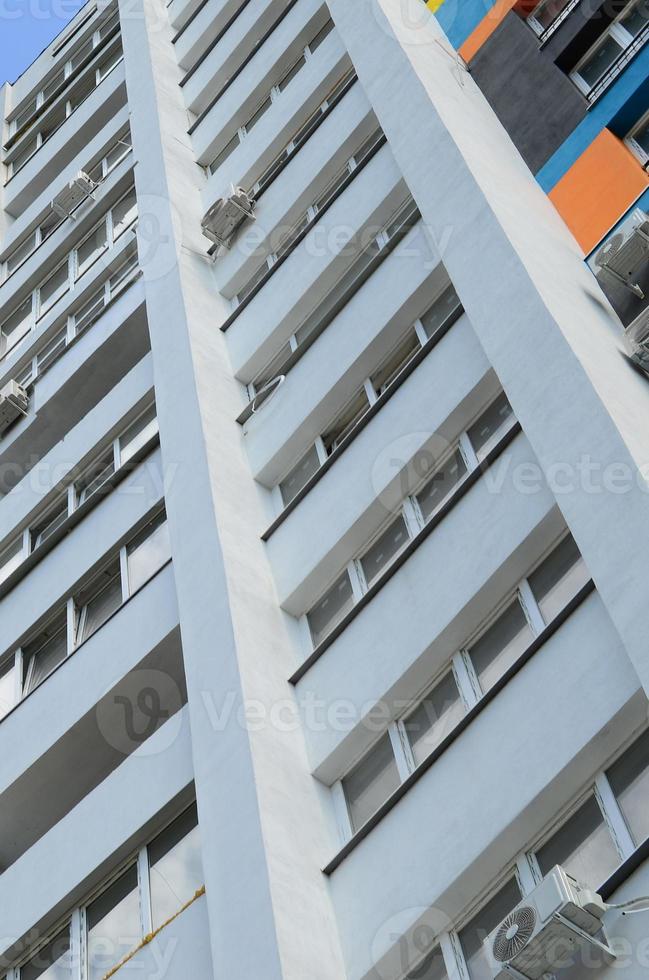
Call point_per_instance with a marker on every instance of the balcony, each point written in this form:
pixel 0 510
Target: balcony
pixel 106 352
pixel 315 267
pixel 556 743
pixel 62 866
pixel 67 142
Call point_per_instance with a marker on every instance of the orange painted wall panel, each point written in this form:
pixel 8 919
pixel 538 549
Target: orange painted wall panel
pixel 601 185
pixel 490 22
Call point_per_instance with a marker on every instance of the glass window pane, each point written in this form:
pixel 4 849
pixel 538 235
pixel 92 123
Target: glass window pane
pixel 395 363
pixel 291 73
pixel 50 223
pixel 16 326
pixel 345 422
pixel 26 153
pixel 107 64
pixel 321 35
pixel 53 121
pixel 258 113
pixel 485 433
pixel 81 90
pixel 583 846
pixel 81 53
pixel 11 558
pixel 546 13
pixel 473 934
pixel 54 287
pixel 636 19
pixel 119 151
pixel 52 962
pixel 124 213
pixel 43 654
pixel 20 253
pixel 7 687
pixel 95 477
pixel 89 250
pixel 371 782
pixel 558 578
pixel 432 968
pixel 138 434
pixel 149 552
pixel 113 925
pixel 333 606
pixel 629 779
pixel 437 315
pixel 434 718
pixel 501 645
pixel 386 547
pixel 600 60
pixel 48 354
pixel 86 314
pixel 300 475
pixel 641 137
pixel 98 601
pixel 443 482
pixel 176 867
pixel 42 529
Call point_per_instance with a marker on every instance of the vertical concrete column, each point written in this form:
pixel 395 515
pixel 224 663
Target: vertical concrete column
pixel 545 325
pixel 263 830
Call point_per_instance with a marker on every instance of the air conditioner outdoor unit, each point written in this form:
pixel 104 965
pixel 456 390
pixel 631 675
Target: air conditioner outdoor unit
pixel 624 253
pixel 71 196
pixel 14 402
pixel 559 916
pixel 227 215
pixel 636 339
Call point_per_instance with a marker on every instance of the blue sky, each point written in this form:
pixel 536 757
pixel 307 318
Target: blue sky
pixel 28 26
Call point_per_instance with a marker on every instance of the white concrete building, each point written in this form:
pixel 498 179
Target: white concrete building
pixel 323 553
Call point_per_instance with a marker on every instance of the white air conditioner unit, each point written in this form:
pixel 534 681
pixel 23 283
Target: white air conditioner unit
pixel 71 196
pixel 625 252
pixel 533 940
pixel 14 402
pixel 636 339
pixel 227 215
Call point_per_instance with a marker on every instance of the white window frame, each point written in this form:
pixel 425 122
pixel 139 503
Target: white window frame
pixel 635 148
pixel 619 34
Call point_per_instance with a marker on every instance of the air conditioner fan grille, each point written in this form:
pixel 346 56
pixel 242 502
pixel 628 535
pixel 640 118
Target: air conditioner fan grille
pixel 514 933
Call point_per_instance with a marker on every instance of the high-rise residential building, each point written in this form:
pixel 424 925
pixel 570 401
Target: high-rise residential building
pixel 324 474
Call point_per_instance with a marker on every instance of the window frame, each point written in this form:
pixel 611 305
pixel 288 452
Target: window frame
pixel 622 37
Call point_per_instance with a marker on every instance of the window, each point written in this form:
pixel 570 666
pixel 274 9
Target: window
pixel 638 140
pixel 148 553
pixel 444 480
pixel 138 434
pixel 477 930
pixel 54 287
pixel 113 925
pixel 176 868
pixel 48 524
pixel 594 72
pixel 583 846
pixel 16 327
pixel 124 213
pixel 461 686
pixel 91 248
pixel 345 422
pixel 386 547
pixel 445 306
pixel 44 653
pixel 395 363
pixel 501 645
pixel 52 350
pixel 333 606
pixel 432 968
pixel 97 602
pixel 95 477
pixel 558 579
pixel 436 715
pixel 547 12
pixel 629 781
pixel 7 688
pixel 371 782
pixel 11 558
pixel 137 901
pixel 300 475
pixel 51 962
pixel 488 430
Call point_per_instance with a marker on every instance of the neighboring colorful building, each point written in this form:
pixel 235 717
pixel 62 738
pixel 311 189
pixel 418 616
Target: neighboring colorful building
pixel 569 80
